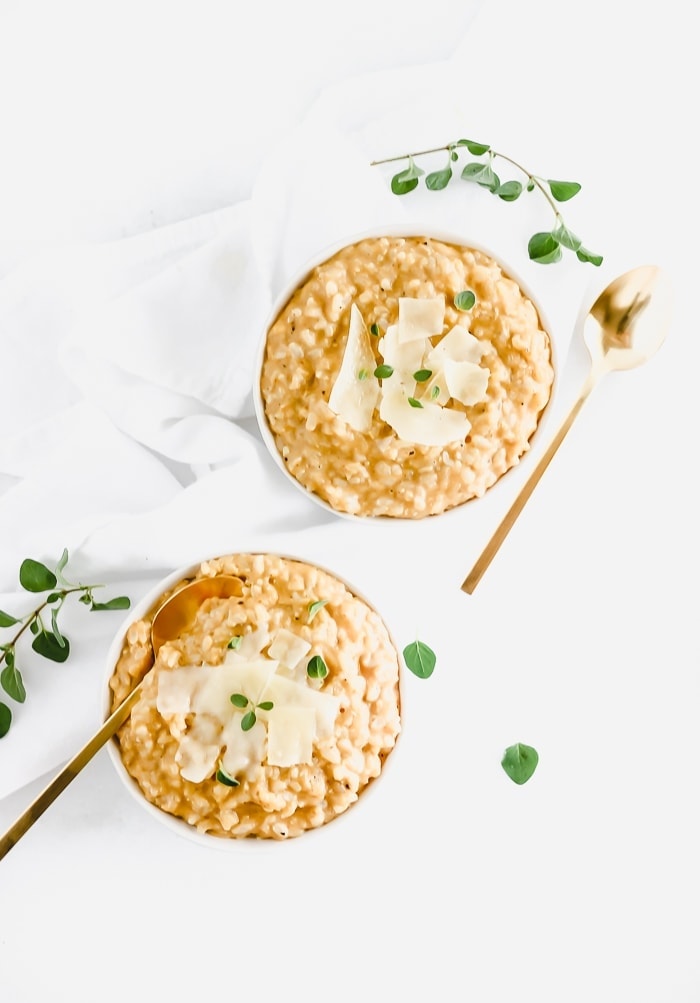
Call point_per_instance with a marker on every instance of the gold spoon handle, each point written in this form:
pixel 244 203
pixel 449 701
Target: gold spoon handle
pixel 506 524
pixel 69 772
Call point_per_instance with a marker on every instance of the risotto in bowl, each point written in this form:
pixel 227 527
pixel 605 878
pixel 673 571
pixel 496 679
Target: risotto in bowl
pixel 271 713
pixel 402 375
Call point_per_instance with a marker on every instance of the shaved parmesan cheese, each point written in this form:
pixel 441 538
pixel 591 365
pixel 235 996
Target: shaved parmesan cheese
pixel 356 389
pixel 290 735
pixel 176 686
pixel 404 359
pixel 466 381
pixel 244 751
pixel 458 344
pixel 289 693
pixel 235 675
pixel 429 425
pixel 420 318
pixel 288 648
pixel 199 749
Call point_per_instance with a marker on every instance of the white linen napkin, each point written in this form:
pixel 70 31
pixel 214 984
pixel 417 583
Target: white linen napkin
pixel 129 431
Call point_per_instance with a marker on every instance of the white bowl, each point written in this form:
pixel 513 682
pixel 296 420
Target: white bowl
pixel 300 277
pixel 352 815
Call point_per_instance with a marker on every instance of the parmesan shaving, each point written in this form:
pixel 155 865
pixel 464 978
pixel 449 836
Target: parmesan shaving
pixel 420 318
pixel 356 389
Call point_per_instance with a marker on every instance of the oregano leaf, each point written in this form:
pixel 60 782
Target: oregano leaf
pixel 438 180
pixel 562 191
pixel 12 682
pixel 47 645
pixel 544 248
pixel 5 719
pixel 119 602
pixel 520 762
pixel 6 620
pixel 35 576
pixel 420 659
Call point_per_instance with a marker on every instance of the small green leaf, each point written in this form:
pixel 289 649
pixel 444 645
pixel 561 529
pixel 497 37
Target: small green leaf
pixel 420 659
pixel 362 375
pixel 438 180
pixel 383 372
pixel 520 762
pixel 248 720
pixel 374 330
pixel 34 626
pixel 406 181
pixel 435 392
pixel 47 645
pixel 266 705
pixel 544 248
pixel 414 403
pixel 476 149
pixel 562 191
pixel 36 577
pixel 465 300
pixel 119 602
pixel 482 174
pixel 223 777
pixel 314 607
pixel 583 255
pixel 509 191
pixel 422 375
pixel 5 719
pixel 53 597
pixel 317 668
pixel 6 620
pixel 235 643
pixel 12 682
pixel 60 640
pixel 531 185
pixel 566 238
pixel 239 700
pixel 62 562
pixel 85 599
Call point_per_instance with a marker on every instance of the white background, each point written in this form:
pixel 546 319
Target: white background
pixel 581 640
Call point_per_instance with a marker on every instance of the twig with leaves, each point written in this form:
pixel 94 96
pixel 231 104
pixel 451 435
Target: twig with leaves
pixel 543 247
pixel 42 622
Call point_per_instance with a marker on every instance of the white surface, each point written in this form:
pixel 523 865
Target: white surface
pixel 581 638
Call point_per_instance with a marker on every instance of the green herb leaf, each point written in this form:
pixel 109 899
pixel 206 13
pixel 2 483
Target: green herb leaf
pixel 5 719
pixel 566 238
pixel 465 300
pixel 12 682
pixel 6 620
pixel 48 646
pixel 583 255
pixel 482 174
pixel 239 700
pixel 36 577
pixel 314 607
pixel 435 392
pixel 223 777
pixel 119 602
pixel 248 721
pixel 406 181
pixel 63 560
pixel 438 180
pixel 476 149
pixel 362 375
pixel 422 375
pixel 544 248
pixel 414 403
pixel 317 668
pixel 374 330
pixel 383 372
pixel 510 191
pixel 235 643
pixel 520 762
pixel 60 640
pixel 266 705
pixel 562 191
pixel 420 659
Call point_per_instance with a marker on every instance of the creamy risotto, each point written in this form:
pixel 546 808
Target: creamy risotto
pixel 384 397
pixel 272 713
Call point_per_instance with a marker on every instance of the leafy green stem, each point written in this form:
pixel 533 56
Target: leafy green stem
pixel 543 247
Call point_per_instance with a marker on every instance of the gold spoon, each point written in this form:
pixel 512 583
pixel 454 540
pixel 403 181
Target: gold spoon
pixel 624 328
pixel 173 615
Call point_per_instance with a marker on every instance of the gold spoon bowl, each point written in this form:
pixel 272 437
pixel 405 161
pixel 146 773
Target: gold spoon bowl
pixel 173 615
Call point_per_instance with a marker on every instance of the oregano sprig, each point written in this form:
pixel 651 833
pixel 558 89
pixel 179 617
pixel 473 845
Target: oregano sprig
pixel 42 622
pixel 543 247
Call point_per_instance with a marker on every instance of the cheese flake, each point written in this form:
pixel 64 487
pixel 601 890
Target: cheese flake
pixel 288 648
pixel 429 425
pixel 290 735
pixel 420 318
pixel 466 381
pixel 355 392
